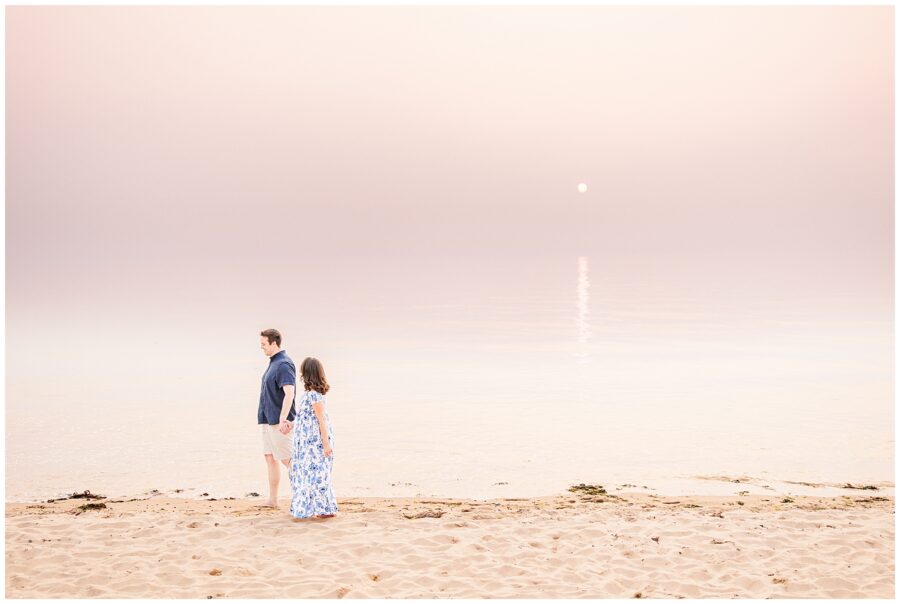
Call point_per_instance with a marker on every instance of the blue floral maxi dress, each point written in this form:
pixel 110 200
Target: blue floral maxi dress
pixel 311 491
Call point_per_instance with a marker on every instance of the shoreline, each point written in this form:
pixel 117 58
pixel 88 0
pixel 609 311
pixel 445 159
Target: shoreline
pixel 577 544
pixel 690 486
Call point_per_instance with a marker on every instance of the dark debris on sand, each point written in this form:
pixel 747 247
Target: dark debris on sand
pixel 88 507
pixel 83 495
pixel 588 489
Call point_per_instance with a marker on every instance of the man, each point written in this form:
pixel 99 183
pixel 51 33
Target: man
pixel 276 408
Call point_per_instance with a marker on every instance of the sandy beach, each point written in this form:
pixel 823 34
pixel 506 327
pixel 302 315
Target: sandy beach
pixel 524 247
pixel 573 545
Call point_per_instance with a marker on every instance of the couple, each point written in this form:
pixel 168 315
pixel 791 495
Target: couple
pixel 299 438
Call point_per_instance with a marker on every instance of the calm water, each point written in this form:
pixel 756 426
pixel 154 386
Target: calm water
pixel 476 377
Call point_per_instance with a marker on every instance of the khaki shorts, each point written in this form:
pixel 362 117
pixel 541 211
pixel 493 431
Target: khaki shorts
pixel 276 443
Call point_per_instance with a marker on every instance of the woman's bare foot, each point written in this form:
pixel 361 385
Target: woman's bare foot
pixel 325 516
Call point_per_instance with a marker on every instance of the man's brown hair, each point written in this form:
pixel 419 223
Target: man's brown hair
pixel 272 335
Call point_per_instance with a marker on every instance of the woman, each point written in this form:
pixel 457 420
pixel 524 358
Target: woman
pixel 312 455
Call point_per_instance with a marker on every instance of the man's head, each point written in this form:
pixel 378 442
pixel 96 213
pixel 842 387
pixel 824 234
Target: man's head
pixel 270 341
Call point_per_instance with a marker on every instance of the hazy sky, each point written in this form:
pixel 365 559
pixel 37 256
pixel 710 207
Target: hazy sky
pixel 158 156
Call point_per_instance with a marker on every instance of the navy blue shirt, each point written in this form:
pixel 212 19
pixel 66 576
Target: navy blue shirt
pixel 279 373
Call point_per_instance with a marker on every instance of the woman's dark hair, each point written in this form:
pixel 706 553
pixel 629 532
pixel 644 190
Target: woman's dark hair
pixel 313 375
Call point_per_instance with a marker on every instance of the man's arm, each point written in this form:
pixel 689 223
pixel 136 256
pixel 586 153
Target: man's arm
pixel 286 404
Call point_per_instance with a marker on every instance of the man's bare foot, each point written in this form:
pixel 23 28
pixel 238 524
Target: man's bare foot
pixel 269 504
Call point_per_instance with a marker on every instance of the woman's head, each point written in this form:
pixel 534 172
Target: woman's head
pixel 313 375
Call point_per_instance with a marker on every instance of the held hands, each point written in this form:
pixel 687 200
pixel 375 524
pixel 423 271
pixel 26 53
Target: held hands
pixel 327 448
pixel 285 426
